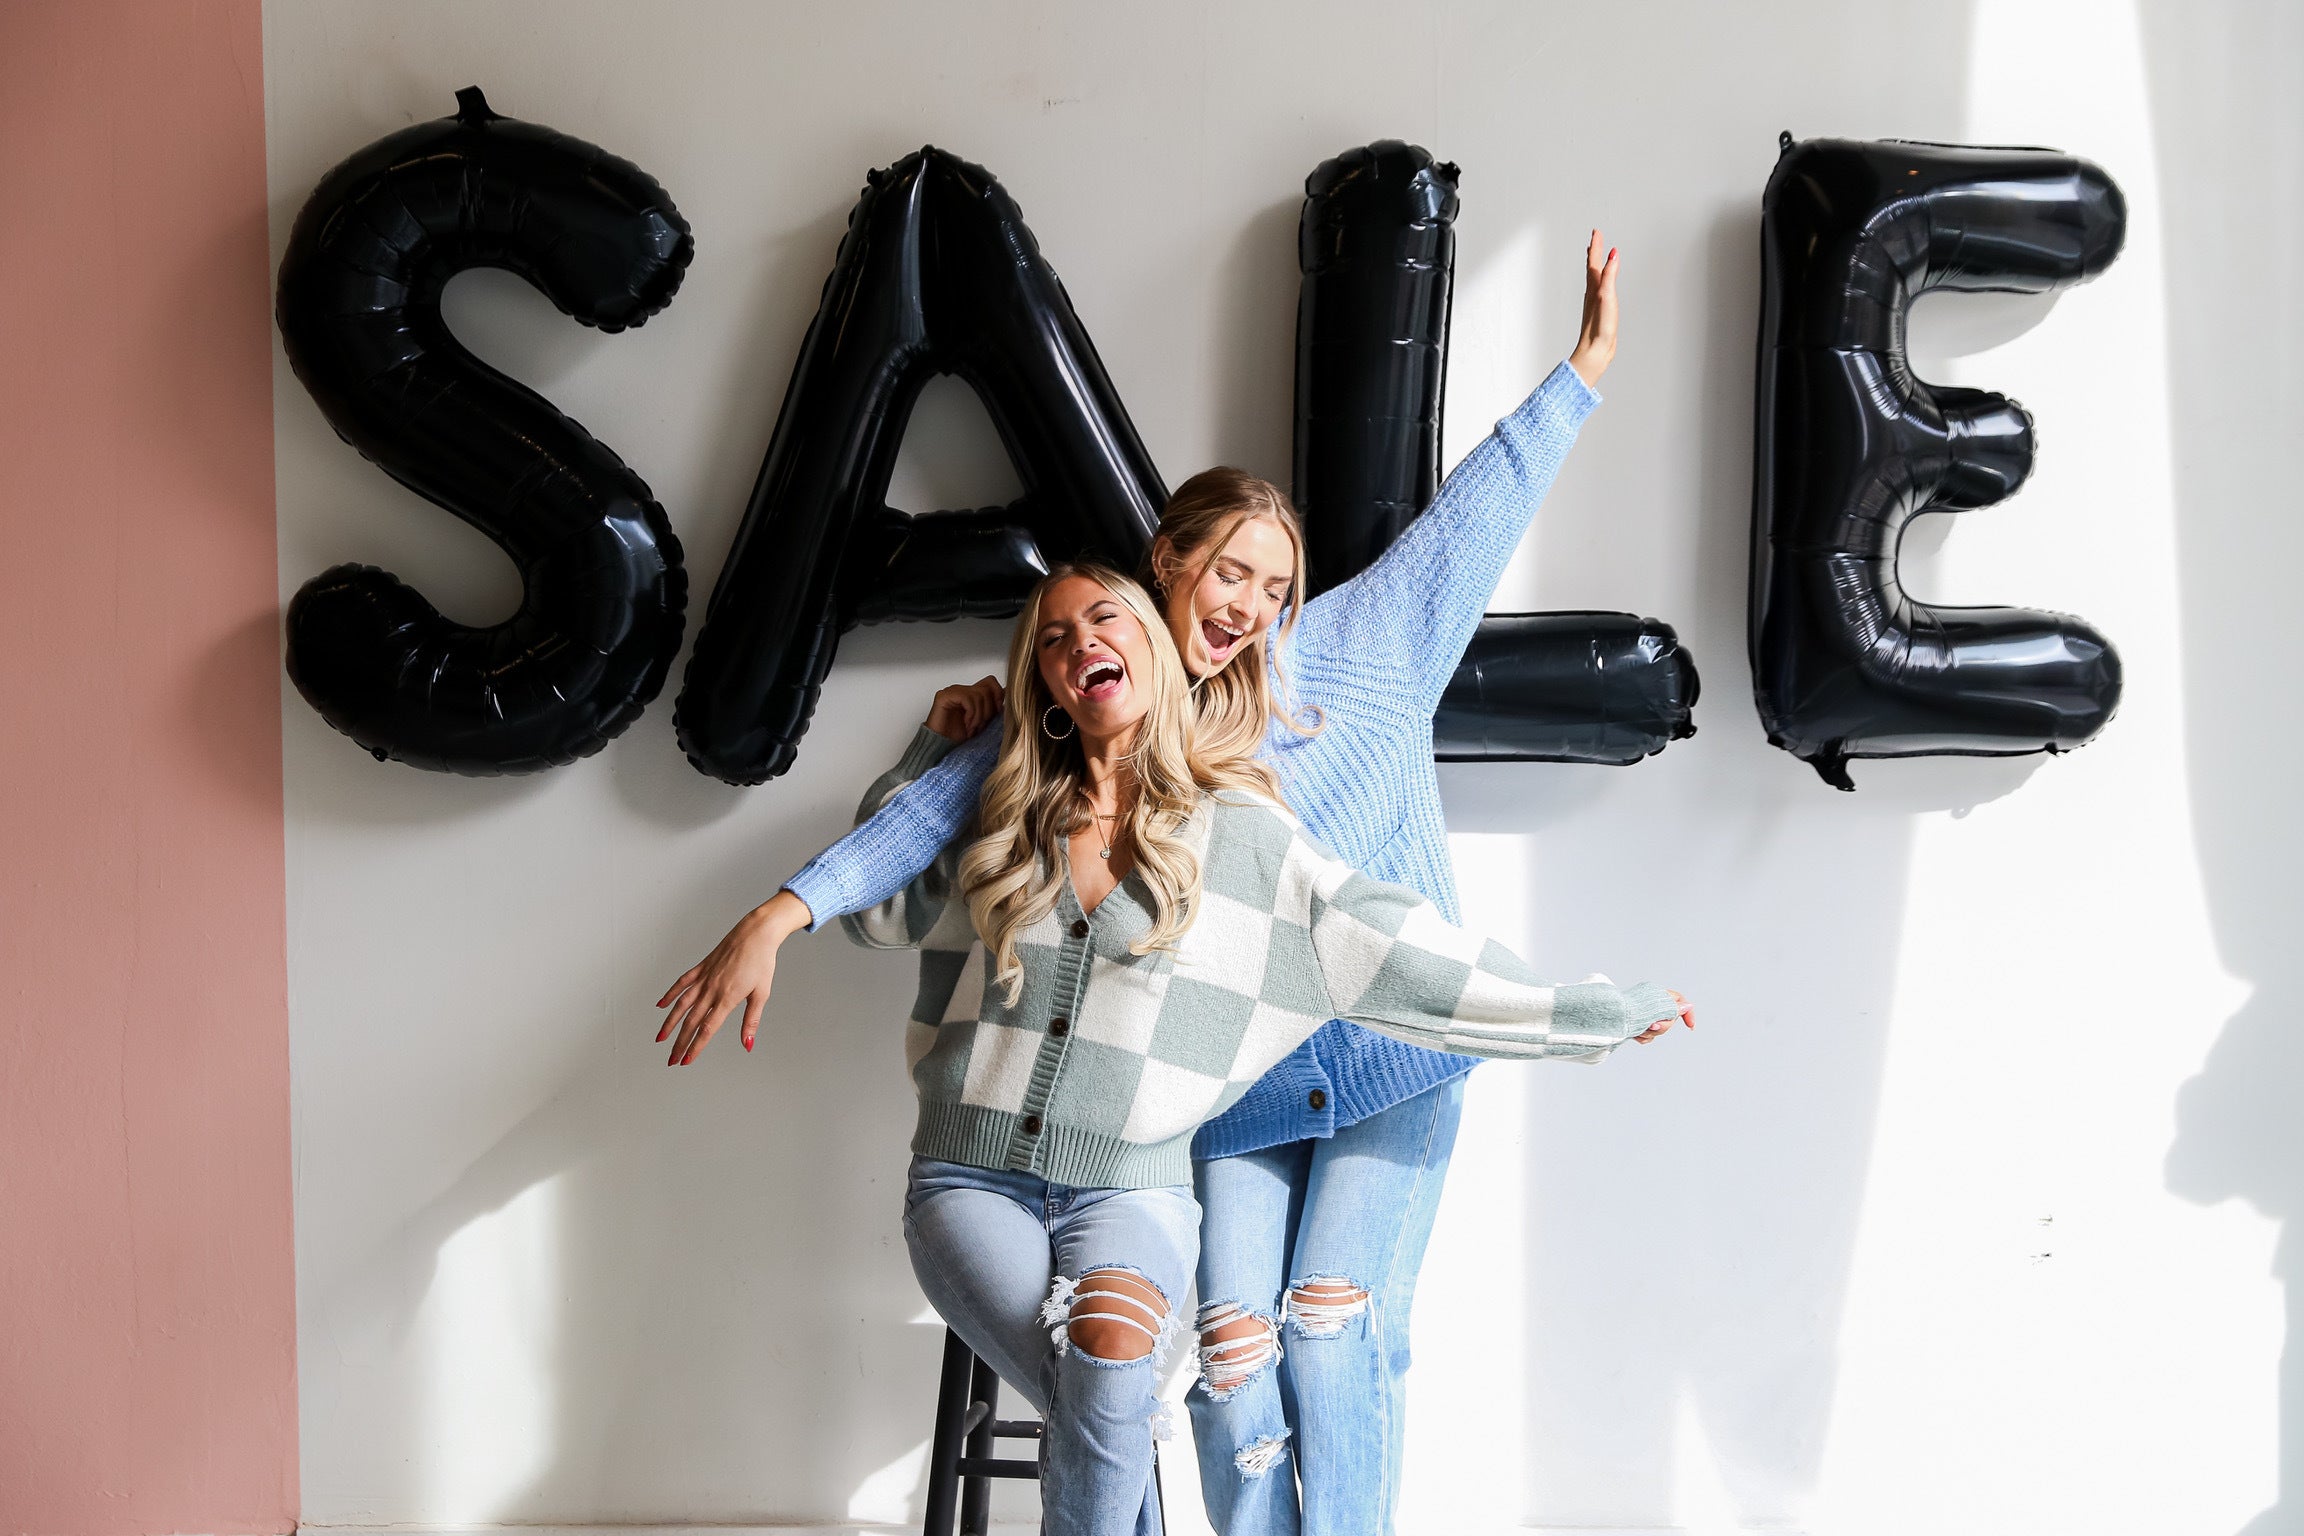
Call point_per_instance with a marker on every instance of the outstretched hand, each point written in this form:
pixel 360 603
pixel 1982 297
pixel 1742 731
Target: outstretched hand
pixel 1658 1030
pixel 1596 342
pixel 740 971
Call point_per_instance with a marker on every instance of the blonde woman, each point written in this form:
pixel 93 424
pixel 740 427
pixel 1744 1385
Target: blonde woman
pixel 1320 1185
pixel 1158 931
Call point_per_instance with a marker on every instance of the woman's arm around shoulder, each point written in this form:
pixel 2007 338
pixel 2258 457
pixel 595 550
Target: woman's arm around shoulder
pixel 908 915
pixel 903 834
pixel 741 969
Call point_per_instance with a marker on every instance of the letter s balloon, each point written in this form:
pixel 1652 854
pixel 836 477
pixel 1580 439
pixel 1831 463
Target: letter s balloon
pixel 1851 446
pixel 359 310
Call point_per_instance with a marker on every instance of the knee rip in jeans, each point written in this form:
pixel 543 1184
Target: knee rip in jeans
pixel 1321 1306
pixel 1236 1345
pixel 1114 1315
pixel 1260 1457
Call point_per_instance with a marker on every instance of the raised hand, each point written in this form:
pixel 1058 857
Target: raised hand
pixel 1596 342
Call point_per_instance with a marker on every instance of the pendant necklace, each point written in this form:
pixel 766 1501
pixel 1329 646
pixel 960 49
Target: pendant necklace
pixel 1100 820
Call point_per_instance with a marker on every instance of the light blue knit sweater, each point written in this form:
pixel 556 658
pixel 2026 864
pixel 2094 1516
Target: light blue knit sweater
pixel 1374 655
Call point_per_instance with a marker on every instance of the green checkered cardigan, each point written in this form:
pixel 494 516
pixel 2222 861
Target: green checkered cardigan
pixel 1108 1061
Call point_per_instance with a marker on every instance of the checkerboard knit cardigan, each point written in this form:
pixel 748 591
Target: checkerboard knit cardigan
pixel 1107 1061
pixel 1374 655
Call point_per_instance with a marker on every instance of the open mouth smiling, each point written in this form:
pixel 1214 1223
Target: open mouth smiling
pixel 1099 678
pixel 1218 636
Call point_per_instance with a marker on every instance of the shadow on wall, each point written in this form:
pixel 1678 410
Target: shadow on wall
pixel 654 1294
pixel 561 1296
pixel 1800 975
pixel 2223 96
pixel 639 1294
pixel 719 1216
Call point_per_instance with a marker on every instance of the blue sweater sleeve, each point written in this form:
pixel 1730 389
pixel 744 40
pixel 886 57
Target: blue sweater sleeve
pixel 901 839
pixel 1413 612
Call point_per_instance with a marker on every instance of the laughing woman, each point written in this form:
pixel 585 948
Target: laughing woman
pixel 1320 1185
pixel 1158 933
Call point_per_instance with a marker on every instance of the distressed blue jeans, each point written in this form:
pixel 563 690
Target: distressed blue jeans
pixel 1001 1256
pixel 1309 1254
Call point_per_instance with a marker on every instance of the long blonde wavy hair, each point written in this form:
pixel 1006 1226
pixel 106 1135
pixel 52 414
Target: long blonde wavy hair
pixel 1237 705
pixel 1036 796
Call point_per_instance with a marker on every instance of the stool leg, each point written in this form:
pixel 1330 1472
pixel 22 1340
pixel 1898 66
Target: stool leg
pixel 944 1444
pixel 976 1492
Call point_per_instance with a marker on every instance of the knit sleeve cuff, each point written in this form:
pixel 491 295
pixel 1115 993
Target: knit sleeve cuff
pixel 816 886
pixel 1646 1005
pixel 1560 403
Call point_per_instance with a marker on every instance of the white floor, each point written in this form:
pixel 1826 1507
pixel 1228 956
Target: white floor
pixel 998 1529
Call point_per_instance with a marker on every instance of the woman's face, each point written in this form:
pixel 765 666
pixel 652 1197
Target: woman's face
pixel 1235 599
pixel 1095 659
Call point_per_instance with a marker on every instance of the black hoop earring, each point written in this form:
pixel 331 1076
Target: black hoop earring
pixel 1051 735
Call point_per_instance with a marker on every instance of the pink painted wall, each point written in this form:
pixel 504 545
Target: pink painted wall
pixel 147 1288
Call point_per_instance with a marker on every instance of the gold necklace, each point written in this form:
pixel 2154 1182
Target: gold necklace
pixel 1099 820
pixel 1101 817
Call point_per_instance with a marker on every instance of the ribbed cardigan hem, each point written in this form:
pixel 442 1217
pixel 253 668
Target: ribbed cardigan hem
pixel 1061 1154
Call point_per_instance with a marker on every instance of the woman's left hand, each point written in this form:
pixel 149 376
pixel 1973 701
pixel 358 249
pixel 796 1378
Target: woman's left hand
pixel 1657 1031
pixel 1596 343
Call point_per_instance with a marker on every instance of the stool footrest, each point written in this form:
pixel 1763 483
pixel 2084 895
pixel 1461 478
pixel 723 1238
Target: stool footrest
pixel 1016 1429
pixel 989 1466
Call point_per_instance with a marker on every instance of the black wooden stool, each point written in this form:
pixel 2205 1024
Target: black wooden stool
pixel 961 1465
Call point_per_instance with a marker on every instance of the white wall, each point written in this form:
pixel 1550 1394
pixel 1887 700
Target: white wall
pixel 1960 1210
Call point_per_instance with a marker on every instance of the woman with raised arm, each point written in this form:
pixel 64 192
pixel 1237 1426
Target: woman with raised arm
pixel 1320 1185
pixel 1158 932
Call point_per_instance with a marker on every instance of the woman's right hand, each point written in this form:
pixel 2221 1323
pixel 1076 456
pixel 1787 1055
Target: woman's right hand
pixel 740 969
pixel 1596 339
pixel 963 709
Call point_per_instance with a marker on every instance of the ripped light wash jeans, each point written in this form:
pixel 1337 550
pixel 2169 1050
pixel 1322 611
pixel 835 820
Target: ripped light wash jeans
pixel 1309 1444
pixel 998 1255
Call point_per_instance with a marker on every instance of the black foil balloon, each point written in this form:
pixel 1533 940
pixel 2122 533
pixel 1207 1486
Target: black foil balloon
pixel 359 311
pixel 937 274
pixel 1851 446
pixel 1566 688
pixel 1377 246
